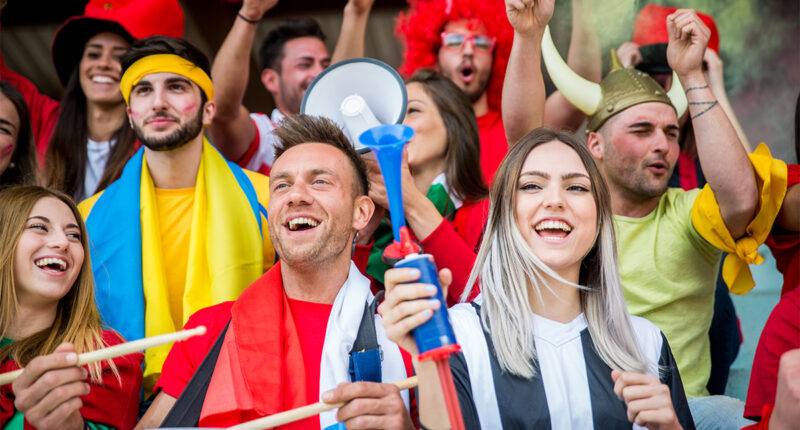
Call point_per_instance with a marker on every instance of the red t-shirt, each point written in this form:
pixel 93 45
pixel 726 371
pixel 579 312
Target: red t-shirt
pixel 494 145
pixel 785 245
pixel 781 333
pixel 311 320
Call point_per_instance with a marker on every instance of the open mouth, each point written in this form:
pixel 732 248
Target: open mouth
pixel 466 72
pixel 553 230
pixel 301 223
pixel 53 264
pixel 100 79
pixel 658 167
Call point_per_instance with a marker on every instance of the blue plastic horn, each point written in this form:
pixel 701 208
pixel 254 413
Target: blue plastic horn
pixel 387 142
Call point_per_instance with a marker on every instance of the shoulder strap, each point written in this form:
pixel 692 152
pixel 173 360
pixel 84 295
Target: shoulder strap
pixel 186 410
pixel 366 354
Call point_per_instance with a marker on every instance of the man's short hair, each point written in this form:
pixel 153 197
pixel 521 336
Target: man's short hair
pixel 299 129
pixel 155 45
pixel 271 52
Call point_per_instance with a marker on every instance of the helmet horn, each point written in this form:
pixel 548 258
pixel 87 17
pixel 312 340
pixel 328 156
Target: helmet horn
pixel 677 96
pixel 584 94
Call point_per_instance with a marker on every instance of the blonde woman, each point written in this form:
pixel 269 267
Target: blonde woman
pixel 549 343
pixel 48 316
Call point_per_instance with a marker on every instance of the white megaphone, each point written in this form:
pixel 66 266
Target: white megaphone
pixel 357 94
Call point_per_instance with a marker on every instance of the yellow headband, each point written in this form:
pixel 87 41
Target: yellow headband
pixel 160 63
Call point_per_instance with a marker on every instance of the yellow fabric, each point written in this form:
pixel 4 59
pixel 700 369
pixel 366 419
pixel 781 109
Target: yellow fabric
pixel 175 207
pixel 213 271
pixel 706 218
pixel 160 63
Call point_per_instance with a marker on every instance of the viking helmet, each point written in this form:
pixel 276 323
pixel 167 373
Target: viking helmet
pixel 619 90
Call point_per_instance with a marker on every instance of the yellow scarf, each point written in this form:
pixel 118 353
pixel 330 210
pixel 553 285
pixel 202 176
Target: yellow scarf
pixel 225 252
pixel 706 218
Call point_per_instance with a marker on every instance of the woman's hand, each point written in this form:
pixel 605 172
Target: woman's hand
pixel 648 400
pixel 48 391
pixel 407 305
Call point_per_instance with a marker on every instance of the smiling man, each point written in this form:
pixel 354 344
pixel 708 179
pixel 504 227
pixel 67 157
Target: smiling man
pixel 181 229
pixel 307 329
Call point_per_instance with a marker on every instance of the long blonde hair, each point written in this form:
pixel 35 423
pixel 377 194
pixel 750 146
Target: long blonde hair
pixel 509 271
pixel 77 318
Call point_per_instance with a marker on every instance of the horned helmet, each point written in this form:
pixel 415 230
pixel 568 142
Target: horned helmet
pixel 622 87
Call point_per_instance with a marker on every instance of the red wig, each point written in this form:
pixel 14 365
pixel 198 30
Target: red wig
pixel 419 28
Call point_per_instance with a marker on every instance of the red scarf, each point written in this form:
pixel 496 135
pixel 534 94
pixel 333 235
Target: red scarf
pixel 260 369
pixel 120 413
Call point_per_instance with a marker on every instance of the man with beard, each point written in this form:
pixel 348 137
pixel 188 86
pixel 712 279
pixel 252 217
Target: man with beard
pixel 668 239
pixel 182 228
pixel 290 57
pixel 289 339
pixel 469 42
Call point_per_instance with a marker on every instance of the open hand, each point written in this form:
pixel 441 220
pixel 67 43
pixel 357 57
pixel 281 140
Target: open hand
pixel 48 391
pixel 528 16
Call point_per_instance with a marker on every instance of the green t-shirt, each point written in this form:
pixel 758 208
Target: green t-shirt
pixel 668 274
pixel 16 422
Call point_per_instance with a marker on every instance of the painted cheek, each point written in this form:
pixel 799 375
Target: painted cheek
pixel 189 108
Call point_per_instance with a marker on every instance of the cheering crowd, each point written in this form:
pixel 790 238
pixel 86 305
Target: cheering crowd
pixel 587 239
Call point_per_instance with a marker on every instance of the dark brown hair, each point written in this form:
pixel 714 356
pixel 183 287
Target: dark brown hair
pixel 271 52
pixel 298 129
pixel 66 156
pixel 462 157
pixel 23 167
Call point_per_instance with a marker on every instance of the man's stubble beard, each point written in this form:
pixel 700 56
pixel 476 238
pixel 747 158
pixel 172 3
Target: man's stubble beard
pixel 174 140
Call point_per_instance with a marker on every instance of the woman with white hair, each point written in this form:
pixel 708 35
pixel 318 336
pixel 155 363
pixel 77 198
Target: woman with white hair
pixel 559 349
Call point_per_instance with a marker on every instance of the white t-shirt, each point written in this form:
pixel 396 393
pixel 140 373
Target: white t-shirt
pixel 261 154
pixel 96 160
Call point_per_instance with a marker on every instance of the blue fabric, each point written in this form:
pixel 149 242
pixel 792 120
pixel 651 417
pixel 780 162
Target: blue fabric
pixel 365 365
pixel 115 234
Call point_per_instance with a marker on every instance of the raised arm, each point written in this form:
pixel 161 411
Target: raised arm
pixel 523 88
pixel 232 131
pixel 354 30
pixel 716 81
pixel 722 156
pixel 584 58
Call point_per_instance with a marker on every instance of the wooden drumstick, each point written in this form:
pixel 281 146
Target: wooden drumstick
pixel 120 350
pixel 297 414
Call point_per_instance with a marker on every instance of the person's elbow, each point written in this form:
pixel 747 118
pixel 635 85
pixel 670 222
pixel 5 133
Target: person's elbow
pixel 740 207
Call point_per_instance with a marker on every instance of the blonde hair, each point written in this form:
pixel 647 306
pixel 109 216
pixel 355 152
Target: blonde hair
pixel 77 318
pixel 509 272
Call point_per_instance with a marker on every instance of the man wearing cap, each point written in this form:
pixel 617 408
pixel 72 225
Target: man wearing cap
pixel 469 41
pixel 306 330
pixel 182 228
pixel 84 137
pixel 290 56
pixel 668 239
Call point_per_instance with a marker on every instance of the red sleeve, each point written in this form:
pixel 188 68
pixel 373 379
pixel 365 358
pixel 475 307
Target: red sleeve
pixel 457 250
pixel 185 357
pixel 44 110
pixel 781 333
pixel 785 245
pixel 123 412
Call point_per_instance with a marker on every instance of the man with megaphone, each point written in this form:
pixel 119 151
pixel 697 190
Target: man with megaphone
pixel 290 56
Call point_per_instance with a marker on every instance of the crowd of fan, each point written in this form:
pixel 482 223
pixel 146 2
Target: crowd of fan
pixel 587 239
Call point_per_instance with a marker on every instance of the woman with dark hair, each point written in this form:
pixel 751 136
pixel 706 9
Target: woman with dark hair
pixel 48 316
pixel 549 343
pixel 17 153
pixel 84 141
pixel 444 194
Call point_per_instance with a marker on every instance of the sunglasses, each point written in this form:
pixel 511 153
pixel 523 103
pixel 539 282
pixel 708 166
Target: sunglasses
pixel 479 41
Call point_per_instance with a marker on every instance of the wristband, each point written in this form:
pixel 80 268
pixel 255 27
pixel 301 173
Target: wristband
pixel 246 19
